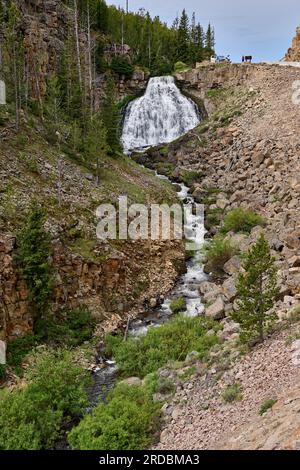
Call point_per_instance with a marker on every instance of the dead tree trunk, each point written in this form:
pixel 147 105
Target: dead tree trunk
pixel 77 44
pixel 90 59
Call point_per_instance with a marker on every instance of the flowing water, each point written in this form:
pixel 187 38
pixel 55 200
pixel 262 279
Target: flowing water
pixel 160 116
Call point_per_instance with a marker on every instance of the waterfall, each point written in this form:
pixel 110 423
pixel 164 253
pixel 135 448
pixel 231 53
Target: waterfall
pixel 160 116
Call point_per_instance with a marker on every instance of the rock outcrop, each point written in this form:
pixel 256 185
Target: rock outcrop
pixel 47 26
pixel 109 288
pixel 293 54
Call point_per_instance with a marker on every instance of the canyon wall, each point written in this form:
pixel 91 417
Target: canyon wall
pixel 123 284
pixel 47 26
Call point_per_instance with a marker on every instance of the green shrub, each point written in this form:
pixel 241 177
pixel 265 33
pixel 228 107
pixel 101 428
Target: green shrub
pixel 267 405
pixel 218 252
pixel 161 67
pixel 32 417
pixel 215 92
pixel 18 349
pixel 127 422
pixel 71 327
pixel 181 67
pixel 178 305
pixel 213 218
pixel 232 393
pixel 172 341
pixel 190 177
pixel 165 386
pixel 242 220
pixel 122 66
pixel 125 101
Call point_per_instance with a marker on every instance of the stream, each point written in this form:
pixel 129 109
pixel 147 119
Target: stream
pixel 186 287
pixel 161 115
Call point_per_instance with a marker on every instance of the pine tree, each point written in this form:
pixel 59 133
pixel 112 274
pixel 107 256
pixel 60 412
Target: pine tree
pixel 68 80
pixel 34 251
pixel 209 42
pixel 100 13
pixel 53 109
pixel 257 292
pixel 193 35
pixel 53 104
pixel 183 47
pixel 199 43
pixel 96 144
pixel 111 116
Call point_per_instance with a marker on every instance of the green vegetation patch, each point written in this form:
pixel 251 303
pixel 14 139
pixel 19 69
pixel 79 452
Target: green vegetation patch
pixel 190 177
pixel 127 422
pixel 218 252
pixel 178 306
pixel 172 341
pixel 242 221
pixel 267 405
pixel 2 372
pixel 31 418
pixel 215 92
pixel 18 349
pixel 69 328
pixel 232 393
pixel 181 67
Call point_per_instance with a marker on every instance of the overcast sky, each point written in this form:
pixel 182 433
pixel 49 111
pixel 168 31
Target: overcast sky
pixel 262 28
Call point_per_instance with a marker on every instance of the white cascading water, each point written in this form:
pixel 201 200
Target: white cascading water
pixel 160 116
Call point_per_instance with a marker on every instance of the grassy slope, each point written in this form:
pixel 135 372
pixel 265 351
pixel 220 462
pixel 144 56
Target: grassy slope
pixel 29 170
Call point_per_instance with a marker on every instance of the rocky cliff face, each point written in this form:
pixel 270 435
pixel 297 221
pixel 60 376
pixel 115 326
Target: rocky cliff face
pixel 47 25
pixel 126 283
pixel 293 54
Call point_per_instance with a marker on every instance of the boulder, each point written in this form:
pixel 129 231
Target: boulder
pixel 222 203
pixel 294 261
pixel 258 158
pixel 133 382
pixel 206 287
pixel 216 311
pixel 212 295
pixel 230 328
pixel 198 195
pixel 167 409
pixel 153 303
pixel 192 357
pixel 229 289
pixel 233 266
